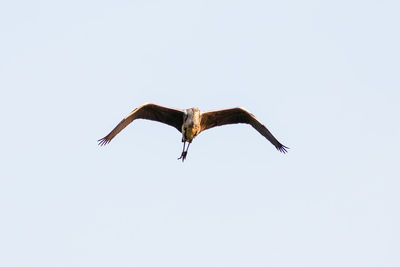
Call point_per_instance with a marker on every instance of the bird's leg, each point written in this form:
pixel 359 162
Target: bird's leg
pixel 187 148
pixel 183 155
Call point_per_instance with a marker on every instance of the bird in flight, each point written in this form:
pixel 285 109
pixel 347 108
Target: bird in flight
pixel 190 122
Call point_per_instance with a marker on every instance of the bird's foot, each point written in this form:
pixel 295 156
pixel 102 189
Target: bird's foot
pixel 183 156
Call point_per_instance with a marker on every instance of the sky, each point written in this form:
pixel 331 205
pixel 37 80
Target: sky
pixel 323 76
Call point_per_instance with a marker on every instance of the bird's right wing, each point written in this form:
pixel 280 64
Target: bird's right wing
pixel 148 111
pixel 238 115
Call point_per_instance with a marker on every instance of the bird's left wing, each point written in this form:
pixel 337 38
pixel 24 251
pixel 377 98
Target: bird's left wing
pixel 238 115
pixel 149 111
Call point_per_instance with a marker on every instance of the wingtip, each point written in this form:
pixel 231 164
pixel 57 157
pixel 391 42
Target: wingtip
pixel 283 149
pixel 103 141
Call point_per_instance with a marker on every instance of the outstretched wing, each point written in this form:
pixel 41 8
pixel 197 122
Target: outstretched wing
pixel 238 115
pixel 148 111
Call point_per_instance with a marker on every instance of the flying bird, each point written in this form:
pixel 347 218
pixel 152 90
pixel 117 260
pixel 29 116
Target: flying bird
pixel 190 122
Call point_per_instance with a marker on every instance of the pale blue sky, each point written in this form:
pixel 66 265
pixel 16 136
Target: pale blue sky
pixel 322 75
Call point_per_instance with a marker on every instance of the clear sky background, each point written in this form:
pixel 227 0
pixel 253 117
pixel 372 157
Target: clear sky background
pixel 323 76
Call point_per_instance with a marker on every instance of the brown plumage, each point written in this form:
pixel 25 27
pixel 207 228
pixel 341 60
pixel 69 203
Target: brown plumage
pixel 238 115
pixel 191 122
pixel 148 111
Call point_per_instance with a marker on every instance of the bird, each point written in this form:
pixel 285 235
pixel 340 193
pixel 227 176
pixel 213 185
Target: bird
pixel 191 122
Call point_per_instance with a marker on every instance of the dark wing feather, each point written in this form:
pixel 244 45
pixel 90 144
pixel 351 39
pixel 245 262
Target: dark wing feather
pixel 148 111
pixel 238 115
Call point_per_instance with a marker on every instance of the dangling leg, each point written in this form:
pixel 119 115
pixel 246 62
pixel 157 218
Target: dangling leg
pixel 188 148
pixel 183 156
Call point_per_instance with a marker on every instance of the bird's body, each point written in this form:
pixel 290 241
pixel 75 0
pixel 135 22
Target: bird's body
pixel 191 122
